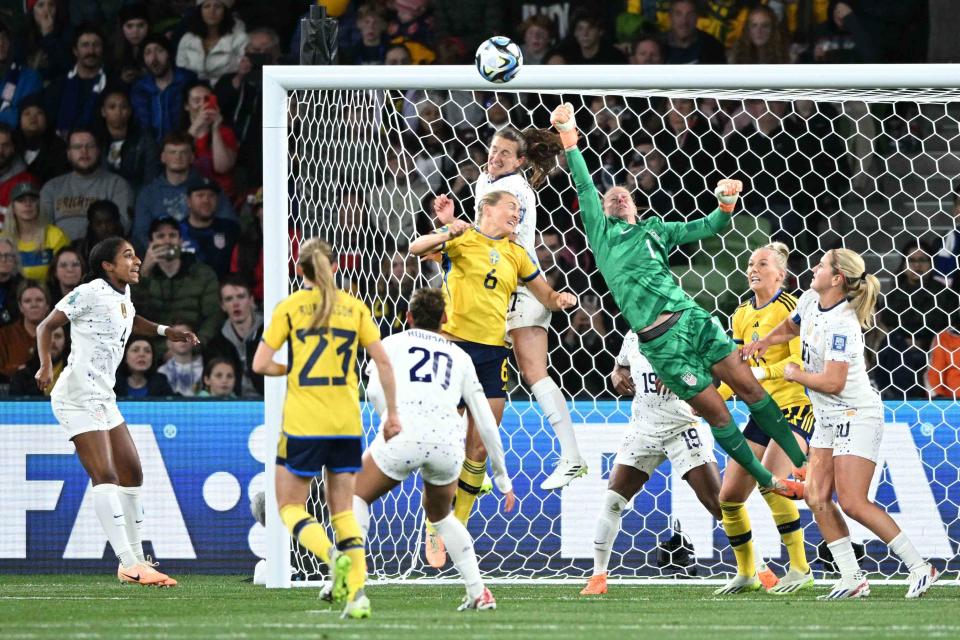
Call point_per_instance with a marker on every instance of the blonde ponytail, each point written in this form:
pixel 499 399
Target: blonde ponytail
pixel 316 258
pixel 862 289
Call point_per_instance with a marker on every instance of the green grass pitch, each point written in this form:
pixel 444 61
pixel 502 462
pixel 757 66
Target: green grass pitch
pixel 65 607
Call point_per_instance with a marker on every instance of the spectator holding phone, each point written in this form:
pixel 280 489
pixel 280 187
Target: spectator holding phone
pixel 174 286
pixel 215 144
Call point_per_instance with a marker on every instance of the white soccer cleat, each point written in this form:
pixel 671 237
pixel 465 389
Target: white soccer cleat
pixel 565 472
pixel 921 580
pixel 792 582
pixel 739 584
pixel 858 587
pixel 482 602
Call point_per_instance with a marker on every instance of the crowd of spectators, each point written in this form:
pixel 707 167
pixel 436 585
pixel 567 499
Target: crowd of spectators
pixel 138 119
pixel 143 119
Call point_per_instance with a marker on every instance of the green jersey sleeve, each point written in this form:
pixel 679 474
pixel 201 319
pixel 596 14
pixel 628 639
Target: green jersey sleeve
pixel 591 208
pixel 677 233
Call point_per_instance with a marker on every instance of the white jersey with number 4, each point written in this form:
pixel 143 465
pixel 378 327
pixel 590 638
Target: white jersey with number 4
pixel 652 413
pixel 432 375
pixel 516 184
pixel 834 334
pixel 101 320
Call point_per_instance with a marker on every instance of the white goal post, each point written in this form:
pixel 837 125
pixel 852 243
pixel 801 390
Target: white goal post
pixel 930 90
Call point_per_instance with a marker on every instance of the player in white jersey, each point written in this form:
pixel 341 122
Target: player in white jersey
pixel 662 427
pixel 102 319
pixel 432 374
pixel 512 153
pixel 830 319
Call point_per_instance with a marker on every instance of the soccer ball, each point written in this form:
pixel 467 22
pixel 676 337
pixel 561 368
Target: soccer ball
pixel 499 59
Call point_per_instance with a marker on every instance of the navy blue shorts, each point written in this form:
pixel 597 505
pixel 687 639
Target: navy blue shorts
pixel 799 417
pixel 491 365
pixel 307 455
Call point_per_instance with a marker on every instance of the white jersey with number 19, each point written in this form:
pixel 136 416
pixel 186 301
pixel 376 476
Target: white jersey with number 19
pixel 662 426
pixel 652 412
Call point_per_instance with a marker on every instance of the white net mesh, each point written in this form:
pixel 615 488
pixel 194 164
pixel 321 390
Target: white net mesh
pixel 869 170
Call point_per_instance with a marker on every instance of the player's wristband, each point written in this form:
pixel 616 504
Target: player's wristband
pixel 568 137
pixel 162 330
pixel 759 373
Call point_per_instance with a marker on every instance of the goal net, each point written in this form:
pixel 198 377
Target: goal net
pixel 356 156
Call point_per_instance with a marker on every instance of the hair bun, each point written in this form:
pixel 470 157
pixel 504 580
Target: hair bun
pixel 780 248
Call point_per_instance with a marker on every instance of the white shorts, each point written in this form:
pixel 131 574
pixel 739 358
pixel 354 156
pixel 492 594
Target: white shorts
pixel 439 464
pixel 856 434
pixel 687 447
pixel 525 310
pixel 77 418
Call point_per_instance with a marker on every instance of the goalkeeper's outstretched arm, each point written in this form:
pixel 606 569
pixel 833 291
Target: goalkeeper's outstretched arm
pixel 591 206
pixel 727 192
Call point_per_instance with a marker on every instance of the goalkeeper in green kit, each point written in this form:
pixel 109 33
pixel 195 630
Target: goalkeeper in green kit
pixel 685 345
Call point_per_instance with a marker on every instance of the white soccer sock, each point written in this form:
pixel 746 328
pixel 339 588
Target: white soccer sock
pixel 902 546
pixel 608 526
pixel 361 511
pixel 106 504
pixel 844 557
pixel 460 547
pixel 554 406
pixel 133 518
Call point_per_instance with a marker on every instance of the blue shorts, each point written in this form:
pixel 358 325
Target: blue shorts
pixel 799 417
pixel 307 455
pixel 491 365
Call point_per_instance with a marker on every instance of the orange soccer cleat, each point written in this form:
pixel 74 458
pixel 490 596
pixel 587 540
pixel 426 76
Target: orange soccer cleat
pixel 144 573
pixel 596 585
pixel 788 488
pixel 766 576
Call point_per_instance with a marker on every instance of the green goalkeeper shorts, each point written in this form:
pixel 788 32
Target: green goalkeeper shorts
pixel 682 356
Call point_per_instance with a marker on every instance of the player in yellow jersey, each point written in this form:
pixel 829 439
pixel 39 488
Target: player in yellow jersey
pixel 753 320
pixel 323 328
pixel 481 269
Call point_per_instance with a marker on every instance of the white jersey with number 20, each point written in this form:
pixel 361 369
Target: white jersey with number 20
pixel 432 375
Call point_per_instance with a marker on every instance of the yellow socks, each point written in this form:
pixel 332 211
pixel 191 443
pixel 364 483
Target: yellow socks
pixel 307 531
pixel 350 542
pixel 736 524
pixel 787 517
pixel 471 477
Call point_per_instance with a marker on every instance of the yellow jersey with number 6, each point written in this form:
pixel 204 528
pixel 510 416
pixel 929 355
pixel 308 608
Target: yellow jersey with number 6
pixel 480 274
pixel 323 398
